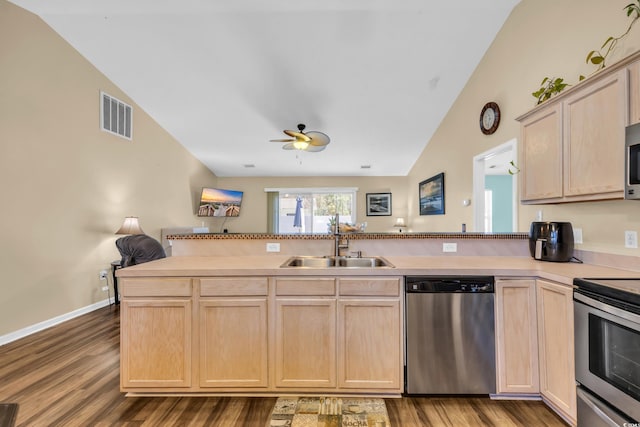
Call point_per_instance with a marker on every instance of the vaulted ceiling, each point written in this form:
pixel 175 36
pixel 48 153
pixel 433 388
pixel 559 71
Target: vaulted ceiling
pixel 225 77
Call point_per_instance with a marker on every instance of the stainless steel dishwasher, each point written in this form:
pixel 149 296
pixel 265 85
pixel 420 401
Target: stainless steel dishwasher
pixel 450 335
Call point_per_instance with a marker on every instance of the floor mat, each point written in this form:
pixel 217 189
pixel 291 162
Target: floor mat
pixel 8 414
pixel 329 412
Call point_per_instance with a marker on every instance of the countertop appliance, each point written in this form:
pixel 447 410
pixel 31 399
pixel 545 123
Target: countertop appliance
pixel 632 162
pixel 450 346
pixel 551 241
pixel 607 348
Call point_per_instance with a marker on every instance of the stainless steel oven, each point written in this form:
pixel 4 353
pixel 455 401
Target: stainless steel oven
pixel 607 349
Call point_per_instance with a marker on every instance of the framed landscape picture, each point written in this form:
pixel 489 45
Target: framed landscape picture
pixel 378 204
pixel 431 195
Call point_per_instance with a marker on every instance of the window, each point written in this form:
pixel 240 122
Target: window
pixel 317 207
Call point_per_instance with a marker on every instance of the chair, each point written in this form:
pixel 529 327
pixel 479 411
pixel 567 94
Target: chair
pixel 138 249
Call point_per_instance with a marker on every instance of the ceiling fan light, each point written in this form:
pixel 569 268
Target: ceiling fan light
pixel 300 145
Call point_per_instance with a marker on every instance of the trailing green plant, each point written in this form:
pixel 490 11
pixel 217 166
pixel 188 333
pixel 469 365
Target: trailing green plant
pixel 513 172
pixel 553 86
pixel 598 58
pixel 549 87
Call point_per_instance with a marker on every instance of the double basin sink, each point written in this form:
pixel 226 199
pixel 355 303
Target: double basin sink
pixel 336 262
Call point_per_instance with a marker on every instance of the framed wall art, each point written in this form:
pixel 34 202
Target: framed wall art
pixel 431 195
pixel 378 204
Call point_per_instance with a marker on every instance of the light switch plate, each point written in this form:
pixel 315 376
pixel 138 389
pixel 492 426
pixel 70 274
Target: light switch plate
pixel 449 247
pixel 273 247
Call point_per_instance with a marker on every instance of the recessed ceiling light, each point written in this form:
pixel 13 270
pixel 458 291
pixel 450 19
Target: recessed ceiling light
pixel 365 167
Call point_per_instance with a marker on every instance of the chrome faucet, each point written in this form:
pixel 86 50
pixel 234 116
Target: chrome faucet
pixel 339 240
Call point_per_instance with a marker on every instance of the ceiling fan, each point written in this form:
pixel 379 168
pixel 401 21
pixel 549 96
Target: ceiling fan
pixel 305 141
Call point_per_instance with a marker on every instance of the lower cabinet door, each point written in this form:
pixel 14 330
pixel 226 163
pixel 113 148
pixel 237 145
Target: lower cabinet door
pixel 155 343
pixel 556 342
pixel 233 342
pixel 369 344
pixel 516 337
pixel 305 353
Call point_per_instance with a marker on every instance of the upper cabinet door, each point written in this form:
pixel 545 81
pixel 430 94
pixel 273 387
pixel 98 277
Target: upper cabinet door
pixel 541 161
pixel 594 123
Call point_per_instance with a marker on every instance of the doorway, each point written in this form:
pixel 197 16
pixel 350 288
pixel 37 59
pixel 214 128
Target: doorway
pixel 495 189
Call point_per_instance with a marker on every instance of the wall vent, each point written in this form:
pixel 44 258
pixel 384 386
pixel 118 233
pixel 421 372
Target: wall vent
pixel 116 117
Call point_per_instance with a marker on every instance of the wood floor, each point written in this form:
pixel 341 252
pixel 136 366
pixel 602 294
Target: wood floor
pixel 68 375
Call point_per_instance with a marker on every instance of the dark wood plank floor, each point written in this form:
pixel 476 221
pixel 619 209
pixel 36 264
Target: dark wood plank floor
pixel 68 375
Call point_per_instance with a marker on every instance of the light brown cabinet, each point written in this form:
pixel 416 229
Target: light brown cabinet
pixel 305 332
pixel 305 352
pixel 594 127
pixel 370 334
pixel 541 158
pixel 155 338
pixel 516 337
pixel 233 333
pixel 556 347
pixel 262 335
pixel 339 334
pixel 572 146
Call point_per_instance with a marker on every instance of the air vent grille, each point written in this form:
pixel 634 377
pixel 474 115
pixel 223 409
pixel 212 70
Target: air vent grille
pixel 116 117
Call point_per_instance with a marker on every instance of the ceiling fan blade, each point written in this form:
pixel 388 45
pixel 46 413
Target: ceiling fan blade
pixel 315 148
pixel 282 140
pixel 298 135
pixel 289 146
pixel 318 139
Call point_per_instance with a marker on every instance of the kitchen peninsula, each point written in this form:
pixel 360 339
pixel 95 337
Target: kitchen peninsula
pixel 242 324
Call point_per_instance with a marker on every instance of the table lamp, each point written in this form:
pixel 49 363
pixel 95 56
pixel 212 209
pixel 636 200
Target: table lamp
pixel 130 226
pixel 400 224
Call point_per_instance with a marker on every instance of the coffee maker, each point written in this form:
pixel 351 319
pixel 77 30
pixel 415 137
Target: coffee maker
pixel 551 241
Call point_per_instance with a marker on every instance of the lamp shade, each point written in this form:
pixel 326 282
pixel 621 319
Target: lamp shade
pixel 130 226
pixel 399 222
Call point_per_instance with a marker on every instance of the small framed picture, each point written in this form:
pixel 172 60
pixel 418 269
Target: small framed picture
pixel 431 195
pixel 378 204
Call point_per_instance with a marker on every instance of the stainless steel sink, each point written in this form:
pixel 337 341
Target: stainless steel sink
pixel 333 261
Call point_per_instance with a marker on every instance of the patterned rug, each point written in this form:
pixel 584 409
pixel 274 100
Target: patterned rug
pixel 329 412
pixel 8 414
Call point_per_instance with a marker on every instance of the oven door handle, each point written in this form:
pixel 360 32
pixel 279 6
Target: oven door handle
pixel 615 311
pixel 608 416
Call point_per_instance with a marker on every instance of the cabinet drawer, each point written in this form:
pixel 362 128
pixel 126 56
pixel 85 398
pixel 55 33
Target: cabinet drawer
pixel 234 286
pixel 306 286
pixel 155 287
pixel 370 286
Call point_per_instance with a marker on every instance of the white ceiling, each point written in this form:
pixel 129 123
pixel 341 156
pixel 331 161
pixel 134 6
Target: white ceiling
pixel 225 77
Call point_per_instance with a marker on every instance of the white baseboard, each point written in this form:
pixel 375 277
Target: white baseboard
pixel 5 339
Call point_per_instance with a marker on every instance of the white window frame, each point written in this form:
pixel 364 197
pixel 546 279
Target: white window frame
pixel 318 190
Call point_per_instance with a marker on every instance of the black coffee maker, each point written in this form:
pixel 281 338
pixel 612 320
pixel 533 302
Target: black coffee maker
pixel 551 241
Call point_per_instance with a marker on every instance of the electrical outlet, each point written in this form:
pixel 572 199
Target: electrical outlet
pixel 103 274
pixel 631 239
pixel 273 247
pixel 449 247
pixel 577 236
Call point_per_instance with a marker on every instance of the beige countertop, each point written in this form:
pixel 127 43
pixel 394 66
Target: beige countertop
pixel 195 266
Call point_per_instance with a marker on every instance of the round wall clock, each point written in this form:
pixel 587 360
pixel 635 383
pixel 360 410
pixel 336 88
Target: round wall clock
pixel 489 118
